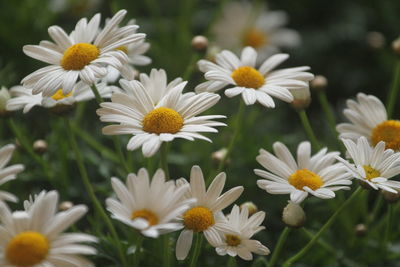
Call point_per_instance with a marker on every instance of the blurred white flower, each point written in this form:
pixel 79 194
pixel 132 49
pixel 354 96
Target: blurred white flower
pixel 8 173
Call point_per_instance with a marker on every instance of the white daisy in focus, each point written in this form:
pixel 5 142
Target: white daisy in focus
pixel 150 207
pixel 241 77
pixel 84 54
pixel 317 175
pixel 373 165
pixel 205 214
pixel 368 118
pixel 23 98
pixel 34 237
pixel 243 24
pixel 240 243
pixel 174 116
pixel 8 173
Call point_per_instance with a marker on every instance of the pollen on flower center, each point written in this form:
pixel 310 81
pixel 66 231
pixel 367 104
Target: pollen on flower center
pixel 198 219
pixel 148 215
pixel 304 177
pixel 248 77
pixel 27 249
pixel 255 38
pixel 122 48
pixel 389 132
pixel 162 120
pixel 60 95
pixel 232 240
pixel 370 172
pixel 79 55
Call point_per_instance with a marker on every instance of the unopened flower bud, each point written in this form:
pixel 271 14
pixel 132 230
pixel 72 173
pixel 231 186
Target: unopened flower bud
pixel 65 205
pixel 390 197
pixel 302 98
pixel 319 83
pixel 251 207
pixel 375 40
pixel 293 215
pixel 396 46
pixel 361 229
pixel 200 43
pixel 40 146
pixel 4 97
pixel 219 155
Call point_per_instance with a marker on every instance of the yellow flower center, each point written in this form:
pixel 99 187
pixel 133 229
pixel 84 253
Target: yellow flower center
pixel 149 216
pixel 60 95
pixel 232 240
pixel 248 77
pixel 198 219
pixel 123 49
pixel 162 120
pixel 27 249
pixel 304 177
pixel 370 172
pixel 255 38
pixel 389 132
pixel 76 57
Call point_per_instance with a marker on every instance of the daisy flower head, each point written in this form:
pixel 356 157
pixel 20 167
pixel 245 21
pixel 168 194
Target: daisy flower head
pixel 174 116
pixel 318 175
pixel 23 98
pixel 205 213
pixel 34 236
pixel 8 173
pixel 243 24
pixel 373 165
pixel 240 243
pixel 82 55
pixel 368 118
pixel 148 206
pixel 242 77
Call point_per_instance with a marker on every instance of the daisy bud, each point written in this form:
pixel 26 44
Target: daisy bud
pixel 293 215
pixel 396 46
pixel 251 207
pixel 375 40
pixel 40 146
pixel 390 197
pixel 65 205
pixel 361 229
pixel 302 98
pixel 319 83
pixel 4 97
pixel 200 43
pixel 219 155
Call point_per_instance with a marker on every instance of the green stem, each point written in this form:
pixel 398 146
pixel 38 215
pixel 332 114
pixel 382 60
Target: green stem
pixel 394 90
pixel 311 243
pixel 323 100
pixel 197 249
pixel 191 66
pixel 164 159
pixel 231 262
pixel 136 259
pixel 166 251
pixel 386 239
pixel 279 246
pixel 307 128
pixel 377 206
pixel 96 94
pixel 90 190
pixel 321 242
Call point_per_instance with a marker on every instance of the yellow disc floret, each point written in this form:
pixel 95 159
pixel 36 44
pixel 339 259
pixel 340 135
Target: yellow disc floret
pixel 232 240
pixel 198 219
pixel 123 49
pixel 148 215
pixel 389 132
pixel 370 173
pixel 255 38
pixel 27 249
pixel 304 177
pixel 60 95
pixel 248 77
pixel 162 120
pixel 76 57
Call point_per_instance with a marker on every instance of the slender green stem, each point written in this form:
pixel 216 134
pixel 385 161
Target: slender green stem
pixel 197 250
pixel 164 159
pixel 307 128
pixel 139 242
pixel 394 90
pixel 90 190
pixel 321 242
pixel 166 251
pixel 279 246
pixel 311 243
pixel 330 117
pixel 377 206
pixel 191 66
pixel 231 262
pixel 386 239
pixel 96 94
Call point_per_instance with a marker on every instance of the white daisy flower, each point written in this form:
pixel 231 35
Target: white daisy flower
pixel 174 116
pixel 205 214
pixel 318 175
pixel 240 243
pixel 254 84
pixel 4 97
pixel 373 165
pixel 84 54
pixel 23 98
pixel 368 118
pixel 8 173
pixel 150 207
pixel 34 237
pixel 241 24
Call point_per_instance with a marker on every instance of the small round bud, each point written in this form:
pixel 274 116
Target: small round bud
pixel 396 46
pixel 251 207
pixel 293 215
pixel 375 40
pixel 65 205
pixel 361 229
pixel 319 83
pixel 390 197
pixel 200 43
pixel 40 146
pixel 219 155
pixel 302 98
